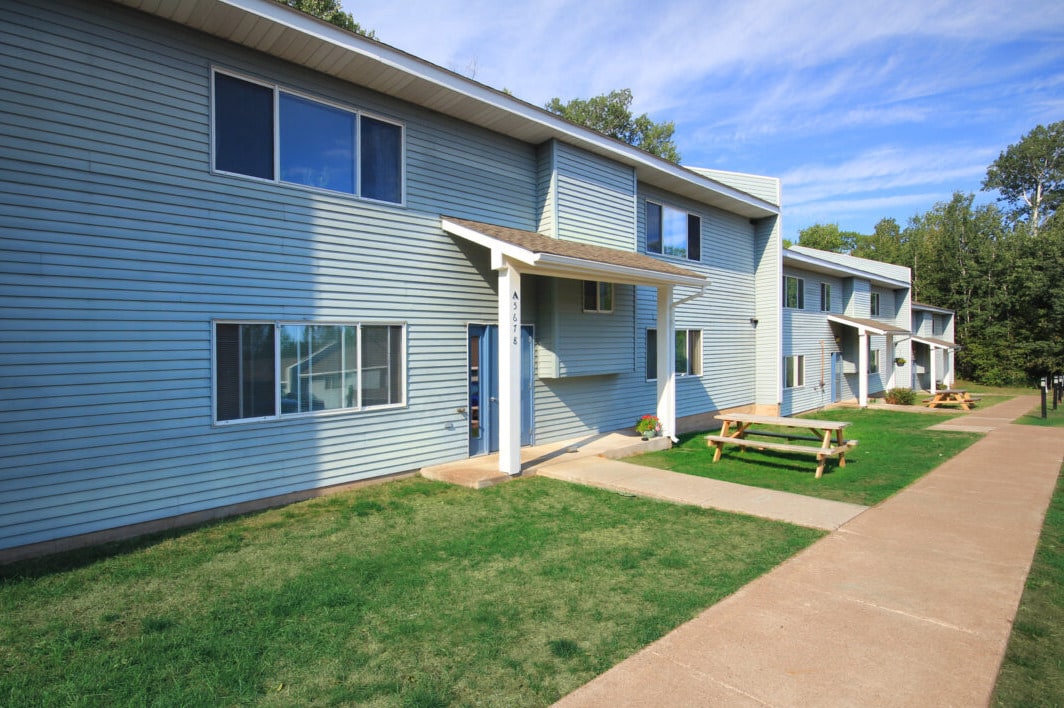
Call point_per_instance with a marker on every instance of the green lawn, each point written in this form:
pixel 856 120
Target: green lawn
pixel 894 449
pixel 1033 671
pixel 408 593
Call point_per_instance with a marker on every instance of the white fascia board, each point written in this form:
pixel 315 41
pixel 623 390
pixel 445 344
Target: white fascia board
pixel 580 269
pixel 807 260
pixel 410 65
pixel 934 344
pixel 509 250
pixel 858 325
pixel 932 308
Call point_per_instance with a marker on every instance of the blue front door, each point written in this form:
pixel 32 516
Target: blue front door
pixel 484 388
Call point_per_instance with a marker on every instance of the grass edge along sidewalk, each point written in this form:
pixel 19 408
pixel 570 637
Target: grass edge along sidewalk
pixel 406 593
pixel 895 449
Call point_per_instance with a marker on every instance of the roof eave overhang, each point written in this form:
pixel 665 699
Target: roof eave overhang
pixel 867 327
pixel 558 266
pixel 935 343
pixel 272 27
pixel 827 267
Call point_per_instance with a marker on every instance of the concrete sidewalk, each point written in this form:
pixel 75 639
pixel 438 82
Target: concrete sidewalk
pixel 908 604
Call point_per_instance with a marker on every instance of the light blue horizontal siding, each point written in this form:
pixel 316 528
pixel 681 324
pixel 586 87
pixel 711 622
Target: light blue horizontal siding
pixel 595 199
pixel 118 248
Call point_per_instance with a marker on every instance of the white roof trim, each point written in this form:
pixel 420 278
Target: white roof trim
pixel 866 327
pixel 271 27
pixel 558 266
pixel 822 265
pixel 935 343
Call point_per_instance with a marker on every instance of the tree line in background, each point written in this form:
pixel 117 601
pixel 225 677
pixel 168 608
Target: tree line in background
pixel 1001 269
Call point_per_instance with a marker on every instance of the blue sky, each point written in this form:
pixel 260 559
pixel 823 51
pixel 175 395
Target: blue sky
pixel 865 110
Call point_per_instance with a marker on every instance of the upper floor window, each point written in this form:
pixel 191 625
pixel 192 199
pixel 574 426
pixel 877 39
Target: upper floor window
pixel 873 305
pixel 317 144
pixel 267 369
pixel 793 292
pixel 825 297
pixel 598 296
pixel 936 326
pixel 673 232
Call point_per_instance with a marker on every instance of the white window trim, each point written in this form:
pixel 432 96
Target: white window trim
pixel 701 346
pixel 825 288
pixel 358 113
pixel 799 373
pixel 800 304
pixel 664 206
pixel 597 310
pixel 875 304
pixel 277 325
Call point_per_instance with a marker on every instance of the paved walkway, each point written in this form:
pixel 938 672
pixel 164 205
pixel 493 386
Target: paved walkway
pixel 909 603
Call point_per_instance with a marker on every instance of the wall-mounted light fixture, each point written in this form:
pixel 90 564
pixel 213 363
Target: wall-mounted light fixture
pixel 753 321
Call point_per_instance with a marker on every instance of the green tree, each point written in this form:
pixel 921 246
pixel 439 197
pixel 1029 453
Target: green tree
pixel 330 11
pixel 1030 175
pixel 611 114
pixel 828 237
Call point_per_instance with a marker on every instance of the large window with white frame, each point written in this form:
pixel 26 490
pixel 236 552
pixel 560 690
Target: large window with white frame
pixel 688 353
pixel 793 292
pixel 261 130
pixel 794 371
pixel 673 232
pixel 271 369
pixel 873 304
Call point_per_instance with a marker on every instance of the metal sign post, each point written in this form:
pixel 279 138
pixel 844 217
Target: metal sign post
pixel 1043 396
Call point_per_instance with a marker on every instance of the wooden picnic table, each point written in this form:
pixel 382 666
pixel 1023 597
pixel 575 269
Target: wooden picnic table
pixel 951 397
pixel 829 433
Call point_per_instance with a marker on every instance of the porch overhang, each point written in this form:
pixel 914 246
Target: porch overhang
pixel 935 343
pixel 864 326
pixel 515 253
pixel 542 255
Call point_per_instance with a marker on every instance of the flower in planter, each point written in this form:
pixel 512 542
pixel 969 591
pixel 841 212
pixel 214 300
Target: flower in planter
pixel 648 425
pixel 900 361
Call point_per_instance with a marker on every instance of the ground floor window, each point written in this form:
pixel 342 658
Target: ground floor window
pixel 873 361
pixel 794 371
pixel 271 369
pixel 598 296
pixel 688 353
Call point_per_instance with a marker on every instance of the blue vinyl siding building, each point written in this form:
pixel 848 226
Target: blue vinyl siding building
pixel 203 311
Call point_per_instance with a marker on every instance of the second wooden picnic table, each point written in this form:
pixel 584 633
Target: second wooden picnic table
pixel 829 433
pixel 951 397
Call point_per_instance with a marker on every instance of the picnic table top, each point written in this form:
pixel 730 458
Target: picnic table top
pixel 783 422
pixel 948 391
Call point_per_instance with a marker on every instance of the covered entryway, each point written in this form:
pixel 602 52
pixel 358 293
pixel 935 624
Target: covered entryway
pixel 858 361
pixel 515 253
pixel 932 363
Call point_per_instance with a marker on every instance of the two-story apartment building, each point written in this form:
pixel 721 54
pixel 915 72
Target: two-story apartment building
pixel 845 328
pixel 934 337
pixel 248 256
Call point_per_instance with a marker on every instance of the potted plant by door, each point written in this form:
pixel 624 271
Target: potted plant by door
pixel 648 426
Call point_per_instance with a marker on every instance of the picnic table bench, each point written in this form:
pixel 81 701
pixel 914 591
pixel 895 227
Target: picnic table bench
pixel 829 433
pixel 952 397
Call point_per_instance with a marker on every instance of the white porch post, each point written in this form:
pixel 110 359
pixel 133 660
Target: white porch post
pixel 932 355
pixel 893 367
pixel 948 376
pixel 862 368
pixel 509 367
pixel 666 362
